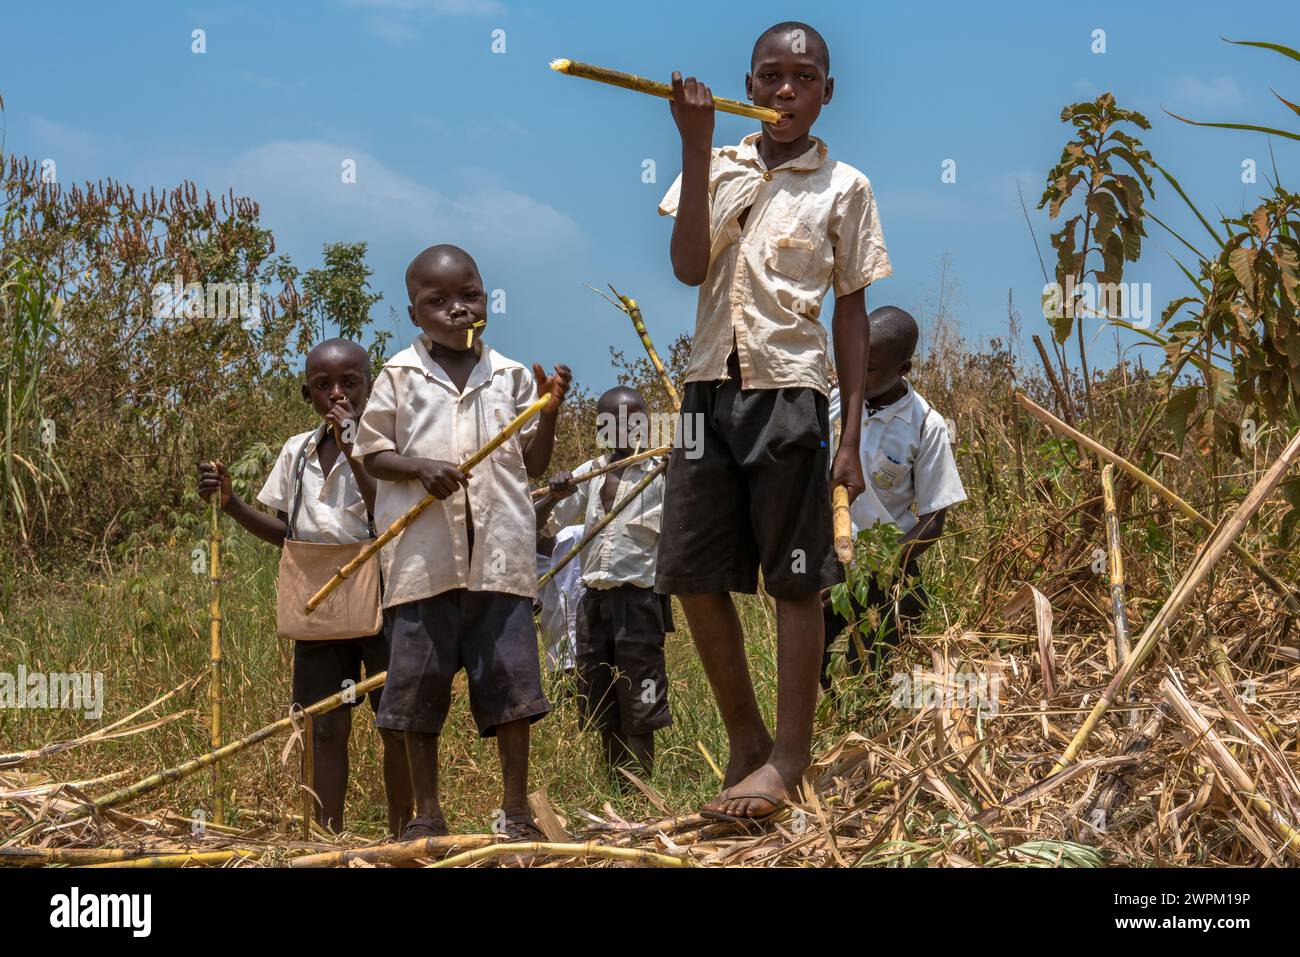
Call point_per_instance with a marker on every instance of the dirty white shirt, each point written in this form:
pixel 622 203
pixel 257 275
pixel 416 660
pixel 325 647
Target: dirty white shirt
pixel 907 461
pixel 813 225
pixel 624 551
pixel 415 410
pixel 331 510
pixel 559 598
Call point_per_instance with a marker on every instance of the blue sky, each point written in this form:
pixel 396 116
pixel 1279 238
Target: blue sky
pixel 540 176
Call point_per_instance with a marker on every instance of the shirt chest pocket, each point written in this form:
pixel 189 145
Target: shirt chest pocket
pixel 498 412
pixel 790 247
pixel 889 474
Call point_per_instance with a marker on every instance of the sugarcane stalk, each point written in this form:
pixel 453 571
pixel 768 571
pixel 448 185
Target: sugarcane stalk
pixel 197 858
pixel 605 519
pixel 1224 762
pixel 1214 548
pixel 640 84
pixel 308 769
pixel 154 781
pixel 1181 506
pixel 215 679
pixel 414 511
pixel 604 469
pixel 629 306
pixel 396 853
pixel 1118 604
pixel 577 851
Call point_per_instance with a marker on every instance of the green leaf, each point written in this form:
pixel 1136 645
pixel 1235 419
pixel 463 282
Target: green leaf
pixel 1179 407
pixel 1275 47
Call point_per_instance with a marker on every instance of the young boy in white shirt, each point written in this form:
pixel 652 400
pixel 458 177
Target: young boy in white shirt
pixel 622 620
pixel 912 481
pixel 319 492
pixel 460 579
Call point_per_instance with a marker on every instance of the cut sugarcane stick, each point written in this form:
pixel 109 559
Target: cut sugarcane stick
pixel 1186 510
pixel 639 84
pixel 620 463
pixel 371 550
pixel 1118 604
pixel 1214 548
pixel 469 333
pixel 214 680
pixel 184 770
pixel 842 521
pixel 396 853
pixel 608 517
pixel 579 852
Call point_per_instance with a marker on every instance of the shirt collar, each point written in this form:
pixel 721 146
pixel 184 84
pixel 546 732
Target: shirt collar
pixel 903 407
pixel 489 363
pixel 747 152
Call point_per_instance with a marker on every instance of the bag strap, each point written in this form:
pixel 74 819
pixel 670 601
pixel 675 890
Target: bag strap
pixel 299 465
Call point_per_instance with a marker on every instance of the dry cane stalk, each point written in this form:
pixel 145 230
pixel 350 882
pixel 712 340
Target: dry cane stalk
pixel 429 847
pixel 591 533
pixel 1119 608
pixel 198 858
pixel 414 511
pixel 617 464
pixel 308 770
pixel 1182 507
pixel 1214 548
pixel 639 84
pixel 1226 765
pixel 578 851
pixel 181 771
pixel 629 306
pixel 214 682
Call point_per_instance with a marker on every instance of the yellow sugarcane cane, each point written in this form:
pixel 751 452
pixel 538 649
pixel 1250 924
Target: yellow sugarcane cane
pixel 214 680
pixel 604 469
pixel 639 84
pixel 414 511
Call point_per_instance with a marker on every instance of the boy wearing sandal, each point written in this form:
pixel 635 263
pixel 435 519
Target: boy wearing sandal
pixel 460 579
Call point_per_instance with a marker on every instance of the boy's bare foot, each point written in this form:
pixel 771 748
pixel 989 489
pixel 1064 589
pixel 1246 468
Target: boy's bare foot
pixel 742 763
pixel 759 795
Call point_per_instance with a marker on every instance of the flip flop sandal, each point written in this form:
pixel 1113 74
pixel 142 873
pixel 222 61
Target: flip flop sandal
pixel 756 820
pixel 424 826
pixel 520 828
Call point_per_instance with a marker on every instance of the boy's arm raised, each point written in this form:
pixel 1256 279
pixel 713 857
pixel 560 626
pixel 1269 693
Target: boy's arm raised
pixel 215 480
pixel 537 452
pixel 692 108
pixel 851 333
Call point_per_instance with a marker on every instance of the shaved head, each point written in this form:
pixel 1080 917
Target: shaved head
pixel 433 259
pixel 338 350
pixel 621 395
pixel 815 43
pixel 894 334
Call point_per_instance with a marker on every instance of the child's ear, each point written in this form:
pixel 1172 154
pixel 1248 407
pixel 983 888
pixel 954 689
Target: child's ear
pixel 410 311
pixel 749 86
pixel 306 393
pixel 905 368
pixel 830 90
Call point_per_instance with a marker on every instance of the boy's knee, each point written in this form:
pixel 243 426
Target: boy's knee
pixel 332 729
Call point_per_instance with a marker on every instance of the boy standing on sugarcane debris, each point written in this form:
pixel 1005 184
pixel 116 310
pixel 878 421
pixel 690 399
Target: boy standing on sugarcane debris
pixel 912 481
pixel 622 678
pixel 335 498
pixel 765 228
pixel 460 579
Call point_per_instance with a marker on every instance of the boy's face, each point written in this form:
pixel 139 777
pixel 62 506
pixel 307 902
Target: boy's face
pixel 447 302
pixel 621 424
pixel 885 369
pixel 793 83
pixel 336 374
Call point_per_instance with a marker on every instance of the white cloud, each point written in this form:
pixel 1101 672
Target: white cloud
pixel 390 31
pixel 1219 93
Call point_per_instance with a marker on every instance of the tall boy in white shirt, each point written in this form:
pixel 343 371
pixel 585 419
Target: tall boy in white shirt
pixel 912 481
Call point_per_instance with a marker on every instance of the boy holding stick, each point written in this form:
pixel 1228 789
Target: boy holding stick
pixel 764 229
pixel 912 481
pixel 335 497
pixel 621 620
pixel 461 578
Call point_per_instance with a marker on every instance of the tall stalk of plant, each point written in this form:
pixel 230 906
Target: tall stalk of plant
pixel 28 329
pixel 1109 224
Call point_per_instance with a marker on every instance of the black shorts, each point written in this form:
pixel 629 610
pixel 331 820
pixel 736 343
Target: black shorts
pixel 622 678
pixel 489 634
pixel 758 494
pixel 321 667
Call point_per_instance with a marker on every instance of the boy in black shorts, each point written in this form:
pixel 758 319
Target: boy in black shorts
pixel 335 498
pixel 764 228
pixel 459 581
pixel 621 620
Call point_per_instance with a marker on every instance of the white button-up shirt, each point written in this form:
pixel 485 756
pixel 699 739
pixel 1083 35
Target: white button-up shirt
pixel 813 225
pixel 559 598
pixel 415 410
pixel 331 510
pixel 624 551
pixel 907 461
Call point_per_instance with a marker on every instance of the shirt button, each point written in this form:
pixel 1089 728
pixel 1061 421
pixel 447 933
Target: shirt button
pixel 767 177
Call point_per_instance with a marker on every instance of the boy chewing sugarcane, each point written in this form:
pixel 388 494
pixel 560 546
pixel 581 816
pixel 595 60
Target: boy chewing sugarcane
pixel 460 578
pixel 321 493
pixel 764 228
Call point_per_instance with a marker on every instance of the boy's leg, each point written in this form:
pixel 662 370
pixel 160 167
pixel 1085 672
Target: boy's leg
pixel 422 762
pixel 319 670
pixel 720 642
pixel 512 742
pixel 397 781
